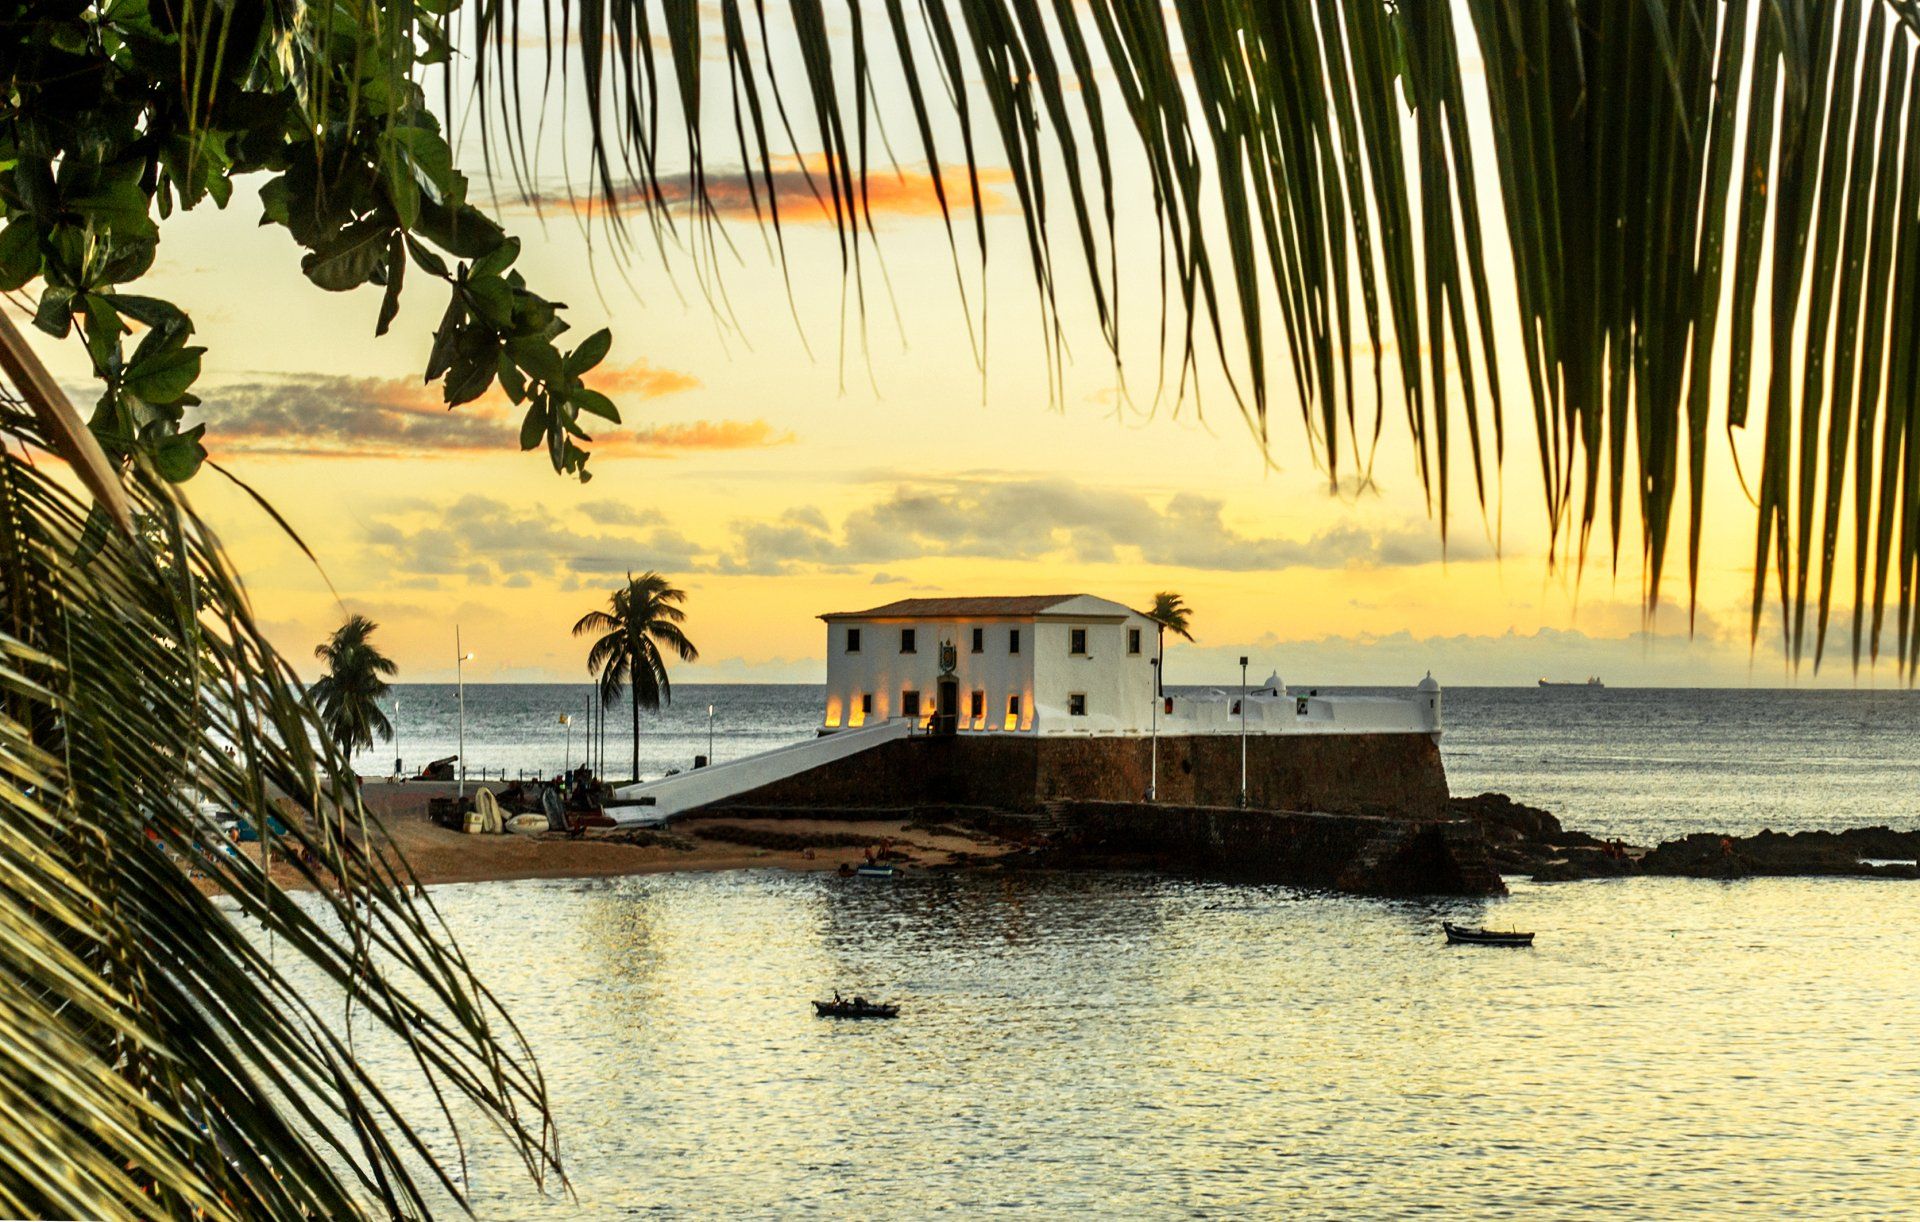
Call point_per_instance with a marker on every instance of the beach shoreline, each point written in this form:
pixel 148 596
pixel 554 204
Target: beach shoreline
pixel 700 844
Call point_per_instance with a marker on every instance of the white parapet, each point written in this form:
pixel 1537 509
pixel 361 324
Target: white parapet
pixel 658 800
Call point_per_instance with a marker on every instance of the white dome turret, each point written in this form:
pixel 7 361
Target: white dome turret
pixel 1274 685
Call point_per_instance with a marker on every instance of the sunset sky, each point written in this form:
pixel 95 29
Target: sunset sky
pixel 784 460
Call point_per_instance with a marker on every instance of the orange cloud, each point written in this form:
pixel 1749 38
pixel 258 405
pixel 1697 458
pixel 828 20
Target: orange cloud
pixel 656 440
pixel 642 379
pixel 803 192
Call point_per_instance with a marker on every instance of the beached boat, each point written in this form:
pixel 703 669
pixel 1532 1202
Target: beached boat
pixel 854 1007
pixel 1462 935
pixel 876 871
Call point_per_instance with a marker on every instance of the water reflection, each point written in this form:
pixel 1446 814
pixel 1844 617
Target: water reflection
pixel 1124 1043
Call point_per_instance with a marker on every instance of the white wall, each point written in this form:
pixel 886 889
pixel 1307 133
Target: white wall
pixel 1046 673
pixel 1118 685
pixel 879 668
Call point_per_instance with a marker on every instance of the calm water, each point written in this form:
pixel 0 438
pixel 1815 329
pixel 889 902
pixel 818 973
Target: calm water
pixel 1122 1044
pixel 1126 1045
pixel 1641 764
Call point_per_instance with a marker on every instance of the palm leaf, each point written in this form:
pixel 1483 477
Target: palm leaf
pixel 1272 139
pixel 154 1059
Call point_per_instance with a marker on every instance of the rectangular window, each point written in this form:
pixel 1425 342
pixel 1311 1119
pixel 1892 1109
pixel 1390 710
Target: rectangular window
pixel 853 640
pixel 979 640
pixel 977 705
pixel 1013 641
pixel 1077 704
pixel 866 702
pixel 1077 640
pixel 910 704
pixel 1133 640
pixel 906 641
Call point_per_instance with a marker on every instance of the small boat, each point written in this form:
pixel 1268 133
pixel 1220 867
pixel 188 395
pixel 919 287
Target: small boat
pixel 854 1007
pixel 1462 935
pixel 871 871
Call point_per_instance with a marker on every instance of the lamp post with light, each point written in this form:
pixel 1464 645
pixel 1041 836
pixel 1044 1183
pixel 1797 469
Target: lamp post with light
pixel 709 736
pixel 460 659
pixel 566 760
pixel 399 769
pixel 1243 731
pixel 1153 767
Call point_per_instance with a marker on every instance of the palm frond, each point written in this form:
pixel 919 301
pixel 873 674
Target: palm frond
pixel 1314 159
pixel 155 1060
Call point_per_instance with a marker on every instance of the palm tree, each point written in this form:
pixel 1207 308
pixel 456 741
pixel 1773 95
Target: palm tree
pixel 348 695
pixel 1170 614
pixel 642 618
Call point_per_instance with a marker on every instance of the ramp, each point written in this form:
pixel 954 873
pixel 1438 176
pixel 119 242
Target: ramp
pixel 658 801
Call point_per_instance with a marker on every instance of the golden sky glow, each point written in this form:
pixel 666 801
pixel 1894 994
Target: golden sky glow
pixel 786 455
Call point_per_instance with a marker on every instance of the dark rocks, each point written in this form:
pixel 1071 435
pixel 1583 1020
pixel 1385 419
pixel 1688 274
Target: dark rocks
pixel 1504 820
pixel 1772 854
pixel 1527 840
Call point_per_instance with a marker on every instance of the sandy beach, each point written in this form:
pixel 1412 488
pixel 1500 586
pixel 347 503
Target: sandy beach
pixel 715 842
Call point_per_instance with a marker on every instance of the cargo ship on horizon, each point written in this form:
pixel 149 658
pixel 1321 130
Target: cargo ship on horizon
pixel 1592 681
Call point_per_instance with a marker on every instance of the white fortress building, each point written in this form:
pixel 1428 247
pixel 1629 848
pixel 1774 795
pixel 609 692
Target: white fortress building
pixel 1011 703
pixel 1061 664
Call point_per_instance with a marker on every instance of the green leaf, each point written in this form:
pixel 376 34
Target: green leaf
pixel 425 259
pixel 350 257
pixel 594 402
pixel 178 457
pixel 533 427
pixel 54 314
pixel 498 260
pixel 163 378
pixel 19 253
pixel 591 352
pixel 396 271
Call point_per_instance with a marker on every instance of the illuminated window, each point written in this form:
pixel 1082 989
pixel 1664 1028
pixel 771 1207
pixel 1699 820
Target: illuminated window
pixel 910 704
pixel 1077 704
pixel 1133 640
pixel 853 640
pixel 906 641
pixel 979 640
pixel 1077 640
pixel 977 705
pixel 1013 641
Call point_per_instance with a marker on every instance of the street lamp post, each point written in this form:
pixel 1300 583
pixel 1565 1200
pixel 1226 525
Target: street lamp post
pixel 709 736
pixel 399 769
pixel 1153 767
pixel 460 659
pixel 566 761
pixel 1243 731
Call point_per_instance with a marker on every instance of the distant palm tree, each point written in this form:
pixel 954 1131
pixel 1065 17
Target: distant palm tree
pixel 350 693
pixel 1170 612
pixel 643 617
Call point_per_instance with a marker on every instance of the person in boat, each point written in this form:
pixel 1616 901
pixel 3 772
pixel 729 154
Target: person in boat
pixel 859 1002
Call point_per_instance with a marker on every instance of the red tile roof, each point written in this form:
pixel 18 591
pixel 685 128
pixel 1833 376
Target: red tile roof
pixel 958 608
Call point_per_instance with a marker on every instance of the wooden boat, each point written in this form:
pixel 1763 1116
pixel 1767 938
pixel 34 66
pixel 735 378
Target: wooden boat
pixel 854 1007
pixel 871 871
pixel 1462 935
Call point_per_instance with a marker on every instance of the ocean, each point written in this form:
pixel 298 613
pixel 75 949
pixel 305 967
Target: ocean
pixel 1642 764
pixel 1118 1044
